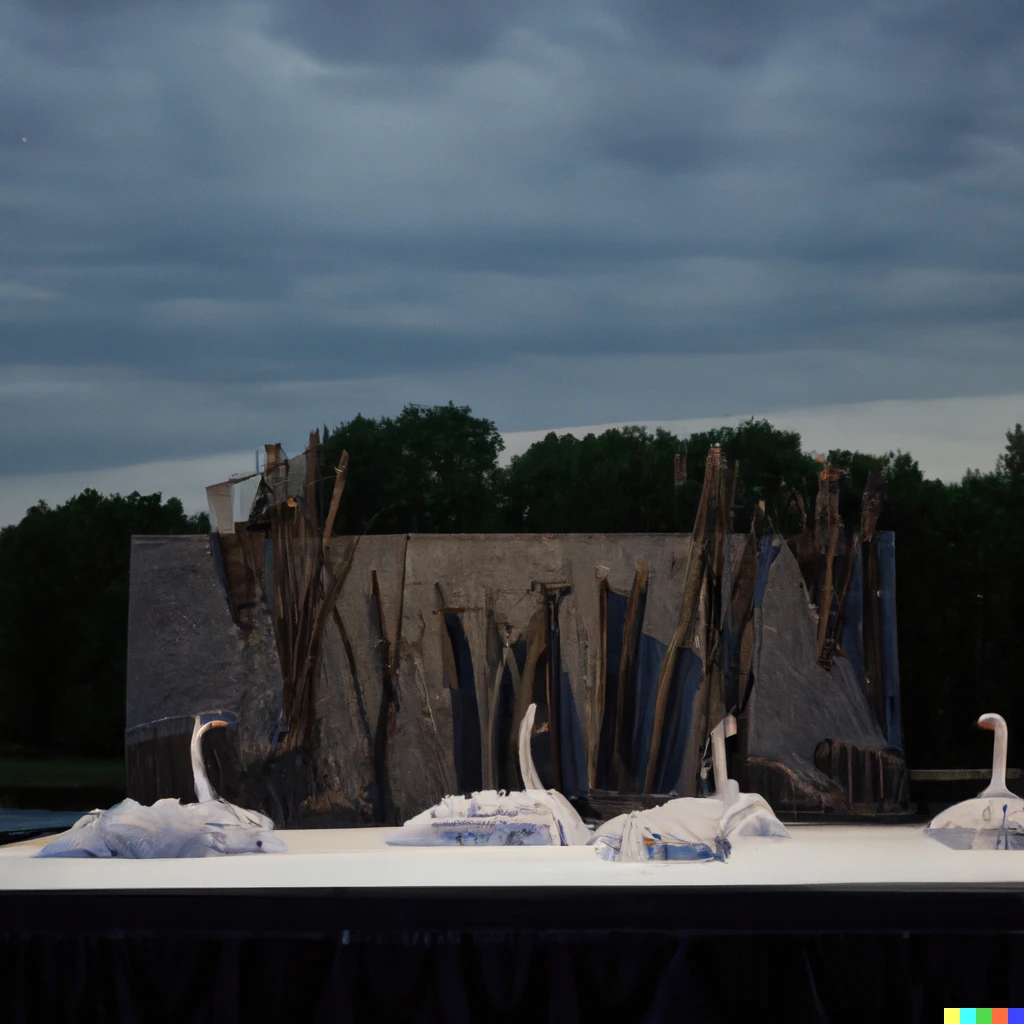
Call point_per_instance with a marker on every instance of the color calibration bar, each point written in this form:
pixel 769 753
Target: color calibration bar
pixel 983 1015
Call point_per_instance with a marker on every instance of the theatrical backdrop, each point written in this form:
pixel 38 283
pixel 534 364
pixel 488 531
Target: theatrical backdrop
pixel 367 677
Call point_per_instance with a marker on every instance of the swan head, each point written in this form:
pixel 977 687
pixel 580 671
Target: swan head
pixel 991 721
pixel 204 723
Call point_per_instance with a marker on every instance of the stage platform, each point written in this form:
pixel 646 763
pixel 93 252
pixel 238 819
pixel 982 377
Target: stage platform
pixel 841 878
pixel 816 856
pixel 836 918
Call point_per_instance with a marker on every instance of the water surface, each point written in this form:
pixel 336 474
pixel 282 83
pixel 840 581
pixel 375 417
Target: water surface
pixel 18 824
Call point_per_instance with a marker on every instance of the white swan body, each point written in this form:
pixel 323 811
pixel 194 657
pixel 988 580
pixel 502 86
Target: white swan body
pixel 169 828
pixel 165 829
pixel 534 816
pixel 692 828
pixel 689 828
pixel 992 820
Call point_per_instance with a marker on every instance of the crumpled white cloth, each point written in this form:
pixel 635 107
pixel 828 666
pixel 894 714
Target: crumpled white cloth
pixel 983 823
pixel 167 828
pixel 496 818
pixel 688 829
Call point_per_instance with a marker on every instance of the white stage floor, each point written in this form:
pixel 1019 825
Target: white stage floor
pixel 829 856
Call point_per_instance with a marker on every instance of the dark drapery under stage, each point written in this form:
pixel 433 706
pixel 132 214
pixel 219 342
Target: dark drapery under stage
pixel 502 977
pixel 345 956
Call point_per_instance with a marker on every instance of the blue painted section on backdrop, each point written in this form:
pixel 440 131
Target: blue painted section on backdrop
pixel 769 551
pixel 683 688
pixel 573 754
pixel 465 712
pixel 730 638
pixel 614 629
pixel 648 667
pixel 770 548
pixel 890 655
pixel 686 679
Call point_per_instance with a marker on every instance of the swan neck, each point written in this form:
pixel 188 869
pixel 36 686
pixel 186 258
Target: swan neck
pixel 998 782
pixel 204 791
pixel 528 770
pixel 718 758
pixel 726 727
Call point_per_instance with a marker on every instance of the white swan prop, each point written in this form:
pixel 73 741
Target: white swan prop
pixel 534 816
pixel 692 828
pixel 994 819
pixel 170 828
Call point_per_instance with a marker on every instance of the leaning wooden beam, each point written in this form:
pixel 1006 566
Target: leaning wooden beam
pixel 314 648
pixel 837 615
pixel 355 697
pixel 708 705
pixel 553 595
pixel 386 715
pixel 304 527
pixel 742 610
pixel 341 475
pixel 871 508
pixel 597 713
pixel 692 585
pixel 625 710
pixel 731 509
pixel 274 472
pixel 297 526
pixel 871 505
pixel 828 516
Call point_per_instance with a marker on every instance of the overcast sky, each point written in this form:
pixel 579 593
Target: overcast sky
pixel 224 223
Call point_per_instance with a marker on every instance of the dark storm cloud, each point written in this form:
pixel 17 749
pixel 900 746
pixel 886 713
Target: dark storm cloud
pixel 418 201
pixel 400 32
pixel 729 35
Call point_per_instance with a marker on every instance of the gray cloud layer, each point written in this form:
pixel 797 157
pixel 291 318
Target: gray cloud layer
pixel 573 212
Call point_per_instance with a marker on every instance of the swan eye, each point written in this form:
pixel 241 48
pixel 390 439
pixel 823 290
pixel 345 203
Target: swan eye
pixel 259 842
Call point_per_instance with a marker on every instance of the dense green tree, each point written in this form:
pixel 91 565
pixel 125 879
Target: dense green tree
pixel 618 481
pixel 64 615
pixel 623 479
pixel 427 470
pixel 1011 462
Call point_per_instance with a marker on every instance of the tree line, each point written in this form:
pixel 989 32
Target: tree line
pixel 64 619
pixel 64 570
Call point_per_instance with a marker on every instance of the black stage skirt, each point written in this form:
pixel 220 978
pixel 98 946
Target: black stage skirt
pixel 614 954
